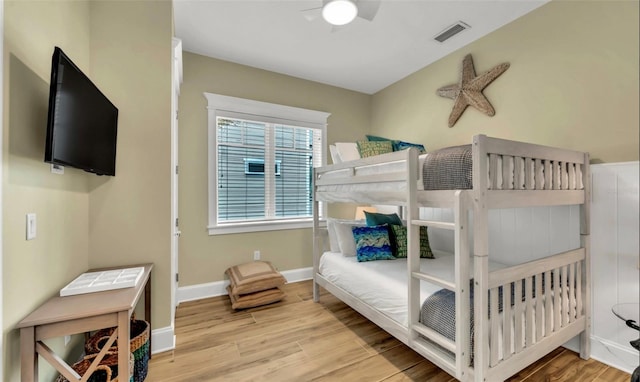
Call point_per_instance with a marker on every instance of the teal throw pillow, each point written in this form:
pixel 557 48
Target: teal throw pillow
pixel 374 218
pixel 376 138
pixel 401 145
pixel 399 239
pixel 372 243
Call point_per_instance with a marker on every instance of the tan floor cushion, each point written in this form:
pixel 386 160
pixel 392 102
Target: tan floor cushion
pixel 252 277
pixel 255 299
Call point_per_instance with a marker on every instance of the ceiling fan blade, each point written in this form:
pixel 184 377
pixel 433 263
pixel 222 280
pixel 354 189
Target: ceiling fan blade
pixel 367 9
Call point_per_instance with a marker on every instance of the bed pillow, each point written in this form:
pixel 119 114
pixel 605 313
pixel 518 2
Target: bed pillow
pixel 398 145
pixel 335 156
pixel 347 151
pixel 372 243
pixel 344 234
pixel 399 239
pixel 372 148
pixel 376 218
pixel 333 237
pixel 376 138
pixel 401 145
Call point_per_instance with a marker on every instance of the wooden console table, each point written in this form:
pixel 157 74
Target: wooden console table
pixel 82 313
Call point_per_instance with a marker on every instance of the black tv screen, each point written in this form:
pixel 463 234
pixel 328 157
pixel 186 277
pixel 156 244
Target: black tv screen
pixel 82 123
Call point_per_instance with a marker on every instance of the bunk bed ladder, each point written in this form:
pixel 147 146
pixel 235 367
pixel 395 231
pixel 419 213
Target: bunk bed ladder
pixel 416 331
pixel 461 346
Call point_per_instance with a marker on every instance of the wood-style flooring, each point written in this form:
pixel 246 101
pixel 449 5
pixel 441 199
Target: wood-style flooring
pixel 299 340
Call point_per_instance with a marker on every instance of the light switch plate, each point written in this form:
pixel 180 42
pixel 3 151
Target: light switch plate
pixel 31 226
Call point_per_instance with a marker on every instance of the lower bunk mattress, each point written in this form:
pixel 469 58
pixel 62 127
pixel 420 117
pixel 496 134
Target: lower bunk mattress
pixel 383 284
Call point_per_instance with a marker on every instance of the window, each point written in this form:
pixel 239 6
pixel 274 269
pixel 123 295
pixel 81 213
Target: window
pixel 261 159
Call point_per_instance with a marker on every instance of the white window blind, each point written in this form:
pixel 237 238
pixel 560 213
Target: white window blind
pixel 261 166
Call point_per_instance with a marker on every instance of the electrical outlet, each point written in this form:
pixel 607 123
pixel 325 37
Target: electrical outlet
pixel 256 255
pixel 67 339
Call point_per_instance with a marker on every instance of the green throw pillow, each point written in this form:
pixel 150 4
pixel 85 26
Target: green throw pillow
pixel 371 148
pixel 398 145
pixel 399 240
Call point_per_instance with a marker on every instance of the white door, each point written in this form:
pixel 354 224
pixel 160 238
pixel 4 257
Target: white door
pixel 176 74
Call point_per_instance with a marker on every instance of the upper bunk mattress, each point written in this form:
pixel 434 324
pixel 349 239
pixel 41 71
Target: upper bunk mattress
pixel 383 284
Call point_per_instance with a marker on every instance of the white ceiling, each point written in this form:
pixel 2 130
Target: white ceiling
pixel 363 56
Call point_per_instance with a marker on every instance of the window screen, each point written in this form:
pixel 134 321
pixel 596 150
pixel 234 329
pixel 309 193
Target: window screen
pixel 264 170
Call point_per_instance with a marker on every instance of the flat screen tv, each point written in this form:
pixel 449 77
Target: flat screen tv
pixel 82 123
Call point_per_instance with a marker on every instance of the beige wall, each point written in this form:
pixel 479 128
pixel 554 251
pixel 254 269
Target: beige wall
pixel 84 220
pixel 130 214
pixel 35 270
pixel 573 82
pixel 204 258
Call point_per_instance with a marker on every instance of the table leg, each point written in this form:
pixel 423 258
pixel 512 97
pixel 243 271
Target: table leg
pixel 123 346
pixel 28 356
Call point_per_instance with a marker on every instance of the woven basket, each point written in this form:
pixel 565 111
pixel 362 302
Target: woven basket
pixel 139 346
pixel 107 370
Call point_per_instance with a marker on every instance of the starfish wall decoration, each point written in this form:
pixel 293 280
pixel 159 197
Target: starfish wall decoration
pixel 469 90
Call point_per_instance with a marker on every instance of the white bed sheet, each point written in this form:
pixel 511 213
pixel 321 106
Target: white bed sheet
pixel 383 284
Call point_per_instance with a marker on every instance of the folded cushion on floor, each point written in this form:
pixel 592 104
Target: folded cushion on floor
pixel 252 300
pixel 252 277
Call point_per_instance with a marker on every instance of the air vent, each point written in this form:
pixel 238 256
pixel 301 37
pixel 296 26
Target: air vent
pixel 451 31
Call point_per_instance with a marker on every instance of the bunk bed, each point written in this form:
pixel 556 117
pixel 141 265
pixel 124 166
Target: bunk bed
pixel 496 173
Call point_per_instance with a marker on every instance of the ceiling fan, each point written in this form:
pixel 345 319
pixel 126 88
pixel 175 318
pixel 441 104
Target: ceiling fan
pixel 342 12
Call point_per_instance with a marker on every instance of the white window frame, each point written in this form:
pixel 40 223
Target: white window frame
pixel 226 106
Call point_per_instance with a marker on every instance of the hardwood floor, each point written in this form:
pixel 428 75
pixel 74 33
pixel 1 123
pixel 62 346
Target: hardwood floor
pixel 299 340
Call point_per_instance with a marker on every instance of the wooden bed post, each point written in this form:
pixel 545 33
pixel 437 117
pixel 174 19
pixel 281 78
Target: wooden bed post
pixel 316 238
pixel 461 219
pixel 413 243
pixel 481 259
pixel 585 242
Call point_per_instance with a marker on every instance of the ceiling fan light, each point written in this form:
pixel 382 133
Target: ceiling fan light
pixel 339 12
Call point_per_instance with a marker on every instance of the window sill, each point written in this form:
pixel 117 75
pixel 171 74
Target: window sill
pixel 231 228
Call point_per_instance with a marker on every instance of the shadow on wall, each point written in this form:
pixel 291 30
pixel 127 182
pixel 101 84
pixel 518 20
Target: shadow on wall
pixel 28 108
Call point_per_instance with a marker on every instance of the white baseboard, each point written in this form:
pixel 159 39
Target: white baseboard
pixel 614 355
pixel 218 288
pixel 163 339
pixel 609 353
